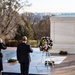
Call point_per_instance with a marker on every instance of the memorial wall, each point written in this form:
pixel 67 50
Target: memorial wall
pixel 63 30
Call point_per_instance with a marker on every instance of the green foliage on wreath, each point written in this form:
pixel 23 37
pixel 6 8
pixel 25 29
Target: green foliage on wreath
pixel 45 44
pixel 42 42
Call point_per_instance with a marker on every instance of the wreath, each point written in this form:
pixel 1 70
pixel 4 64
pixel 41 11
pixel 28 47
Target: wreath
pixel 45 44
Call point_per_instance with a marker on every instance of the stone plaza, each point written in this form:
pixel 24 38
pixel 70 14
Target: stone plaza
pixel 37 65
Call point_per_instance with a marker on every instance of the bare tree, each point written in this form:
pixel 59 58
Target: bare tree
pixel 42 27
pixel 40 24
pixel 9 17
pixel 28 25
pixel 33 20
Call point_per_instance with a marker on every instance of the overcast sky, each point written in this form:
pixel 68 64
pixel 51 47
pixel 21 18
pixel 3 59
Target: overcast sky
pixel 51 6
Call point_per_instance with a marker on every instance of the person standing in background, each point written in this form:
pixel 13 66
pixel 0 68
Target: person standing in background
pixel 2 46
pixel 23 56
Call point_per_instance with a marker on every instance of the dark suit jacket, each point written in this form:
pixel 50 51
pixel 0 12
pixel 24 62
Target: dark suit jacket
pixel 2 46
pixel 23 53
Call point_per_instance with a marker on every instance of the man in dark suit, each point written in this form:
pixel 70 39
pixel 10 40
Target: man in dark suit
pixel 23 56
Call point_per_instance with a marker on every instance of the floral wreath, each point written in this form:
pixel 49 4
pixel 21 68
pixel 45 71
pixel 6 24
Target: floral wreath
pixel 45 44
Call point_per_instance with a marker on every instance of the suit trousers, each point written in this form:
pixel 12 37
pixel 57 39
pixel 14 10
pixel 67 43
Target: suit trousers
pixel 24 68
pixel 1 64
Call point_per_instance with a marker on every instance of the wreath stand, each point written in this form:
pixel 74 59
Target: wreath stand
pixel 47 62
pixel 45 46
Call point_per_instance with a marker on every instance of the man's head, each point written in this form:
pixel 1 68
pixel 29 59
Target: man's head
pixel 24 38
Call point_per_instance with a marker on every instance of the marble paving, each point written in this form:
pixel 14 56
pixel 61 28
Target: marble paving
pixel 37 65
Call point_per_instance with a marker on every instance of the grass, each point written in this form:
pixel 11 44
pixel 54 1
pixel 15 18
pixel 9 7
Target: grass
pixel 33 43
pixel 14 43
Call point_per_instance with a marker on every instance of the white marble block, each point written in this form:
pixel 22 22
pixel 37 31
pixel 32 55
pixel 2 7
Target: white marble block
pixel 63 30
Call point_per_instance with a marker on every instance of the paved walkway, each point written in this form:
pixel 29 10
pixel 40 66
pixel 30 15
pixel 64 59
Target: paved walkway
pixel 67 67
